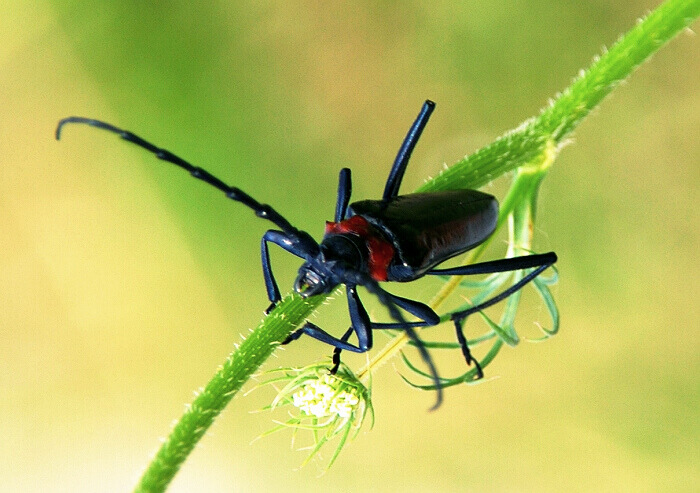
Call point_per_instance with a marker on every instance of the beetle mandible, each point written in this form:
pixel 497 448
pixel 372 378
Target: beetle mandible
pixel 398 238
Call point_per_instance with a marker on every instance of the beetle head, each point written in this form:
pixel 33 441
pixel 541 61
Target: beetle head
pixel 314 278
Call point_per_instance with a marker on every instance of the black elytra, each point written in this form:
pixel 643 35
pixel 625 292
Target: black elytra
pixel 398 238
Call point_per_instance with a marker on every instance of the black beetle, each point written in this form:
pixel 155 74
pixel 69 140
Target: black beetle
pixel 398 238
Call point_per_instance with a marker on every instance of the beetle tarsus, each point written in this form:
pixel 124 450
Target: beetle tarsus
pixel 293 336
pixel 458 321
pixel 337 350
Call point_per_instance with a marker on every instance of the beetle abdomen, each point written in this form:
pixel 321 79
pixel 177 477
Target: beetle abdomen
pixel 429 228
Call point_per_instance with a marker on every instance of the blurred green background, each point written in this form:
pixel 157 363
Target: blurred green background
pixel 124 283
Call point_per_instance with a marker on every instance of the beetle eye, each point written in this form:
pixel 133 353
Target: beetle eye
pixel 308 283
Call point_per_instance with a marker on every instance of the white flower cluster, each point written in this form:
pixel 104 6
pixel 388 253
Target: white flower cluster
pixel 319 398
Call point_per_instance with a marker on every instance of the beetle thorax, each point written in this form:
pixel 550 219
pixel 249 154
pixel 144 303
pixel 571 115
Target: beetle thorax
pixel 375 248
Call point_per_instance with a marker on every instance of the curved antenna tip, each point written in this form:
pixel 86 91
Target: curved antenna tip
pixel 59 127
pixel 71 119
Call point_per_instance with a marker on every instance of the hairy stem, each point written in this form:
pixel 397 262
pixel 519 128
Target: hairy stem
pixel 227 381
pixel 556 121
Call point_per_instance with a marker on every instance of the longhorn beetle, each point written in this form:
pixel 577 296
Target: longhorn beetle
pixel 398 238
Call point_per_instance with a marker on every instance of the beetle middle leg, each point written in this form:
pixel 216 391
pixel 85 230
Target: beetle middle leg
pixel 426 314
pixel 386 300
pixel 336 351
pixel 361 325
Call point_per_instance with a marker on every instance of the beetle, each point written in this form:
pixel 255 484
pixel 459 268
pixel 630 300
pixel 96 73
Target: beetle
pixel 398 238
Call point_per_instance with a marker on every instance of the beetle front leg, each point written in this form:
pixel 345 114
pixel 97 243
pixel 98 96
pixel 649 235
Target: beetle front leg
pixel 289 244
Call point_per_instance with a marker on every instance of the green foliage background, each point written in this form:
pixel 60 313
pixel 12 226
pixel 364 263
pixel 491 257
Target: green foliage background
pixel 124 282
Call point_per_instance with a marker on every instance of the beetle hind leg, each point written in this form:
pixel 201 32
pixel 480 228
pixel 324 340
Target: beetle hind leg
pixel 542 262
pixel 539 263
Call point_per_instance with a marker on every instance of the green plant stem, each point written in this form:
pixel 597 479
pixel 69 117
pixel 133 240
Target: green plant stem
pixel 229 378
pixel 516 148
pixel 556 121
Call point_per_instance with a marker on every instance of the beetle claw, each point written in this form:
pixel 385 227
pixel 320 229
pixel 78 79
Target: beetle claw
pixel 293 336
pixel 480 373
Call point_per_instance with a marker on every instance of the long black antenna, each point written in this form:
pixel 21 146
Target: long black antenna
pixel 261 210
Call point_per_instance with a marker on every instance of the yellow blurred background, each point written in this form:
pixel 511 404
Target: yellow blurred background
pixel 124 282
